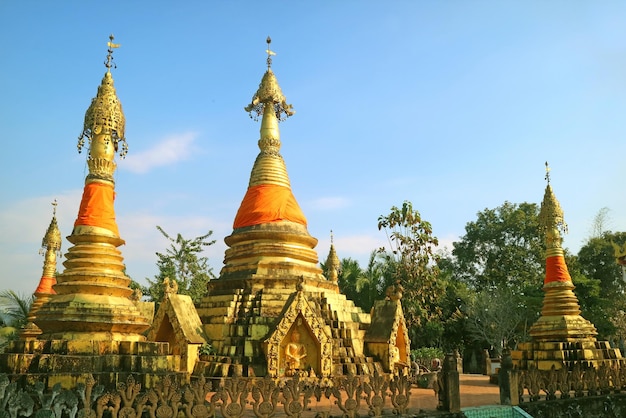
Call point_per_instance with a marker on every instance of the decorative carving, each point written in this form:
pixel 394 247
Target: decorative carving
pixel 170 287
pixel 534 381
pixel 300 309
pixel 352 387
pixel 375 391
pixel 233 396
pixel 400 387
pixel 293 390
pixel 265 395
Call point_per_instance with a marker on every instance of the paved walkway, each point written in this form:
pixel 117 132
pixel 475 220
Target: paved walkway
pixel 475 391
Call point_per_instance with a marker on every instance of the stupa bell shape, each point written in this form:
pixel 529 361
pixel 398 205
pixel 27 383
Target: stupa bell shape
pixel 92 298
pixel 270 236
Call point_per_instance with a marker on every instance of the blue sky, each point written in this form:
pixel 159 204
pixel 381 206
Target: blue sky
pixel 454 106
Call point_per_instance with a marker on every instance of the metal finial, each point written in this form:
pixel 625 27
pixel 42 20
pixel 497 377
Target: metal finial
pixel 547 173
pixel 331 237
pixel 109 62
pixel 269 52
pixel 54 208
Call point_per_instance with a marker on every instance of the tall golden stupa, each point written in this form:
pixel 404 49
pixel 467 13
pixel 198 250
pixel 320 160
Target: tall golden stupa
pixel 272 311
pixel 561 336
pixel 91 324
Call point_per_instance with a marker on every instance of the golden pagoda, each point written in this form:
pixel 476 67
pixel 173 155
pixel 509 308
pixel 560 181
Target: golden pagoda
pixel 561 336
pixel 51 249
pixel 92 325
pixel 271 311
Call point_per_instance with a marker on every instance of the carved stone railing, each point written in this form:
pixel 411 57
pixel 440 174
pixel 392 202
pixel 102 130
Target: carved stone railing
pixel 228 398
pixel 580 380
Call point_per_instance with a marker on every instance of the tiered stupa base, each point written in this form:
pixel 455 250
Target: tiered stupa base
pixel 240 322
pixel 71 362
pixel 543 355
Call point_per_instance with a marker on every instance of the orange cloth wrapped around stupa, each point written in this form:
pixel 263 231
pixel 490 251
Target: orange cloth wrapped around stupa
pixel 96 207
pixel 45 286
pixel 556 270
pixel 268 203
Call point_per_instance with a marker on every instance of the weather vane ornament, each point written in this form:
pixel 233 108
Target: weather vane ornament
pixel 109 62
pixel 269 94
pixel 551 221
pixel 269 52
pixel 52 239
pixel 105 119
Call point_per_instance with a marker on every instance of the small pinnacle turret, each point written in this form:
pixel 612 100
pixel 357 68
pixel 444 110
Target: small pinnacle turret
pixel 50 249
pixel 332 262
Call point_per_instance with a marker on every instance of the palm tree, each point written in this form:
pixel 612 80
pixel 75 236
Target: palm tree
pixel 369 284
pixel 14 308
pixel 349 272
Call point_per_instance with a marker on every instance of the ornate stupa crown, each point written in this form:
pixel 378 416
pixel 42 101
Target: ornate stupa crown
pixel 551 221
pixel 269 93
pixel 50 249
pixel 52 239
pixel 104 118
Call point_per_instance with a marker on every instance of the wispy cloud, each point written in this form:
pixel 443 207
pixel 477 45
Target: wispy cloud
pixel 170 150
pixel 330 203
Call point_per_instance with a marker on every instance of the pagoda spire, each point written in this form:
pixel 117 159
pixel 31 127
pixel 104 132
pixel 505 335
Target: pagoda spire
pixel 332 262
pixel 50 249
pixel 269 197
pixel 269 210
pixel 93 294
pixel 560 318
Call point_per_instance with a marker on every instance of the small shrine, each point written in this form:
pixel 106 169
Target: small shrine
pixel 561 337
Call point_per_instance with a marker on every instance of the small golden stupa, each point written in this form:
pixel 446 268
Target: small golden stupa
pixel 51 249
pixel 90 324
pixel 272 311
pixel 561 336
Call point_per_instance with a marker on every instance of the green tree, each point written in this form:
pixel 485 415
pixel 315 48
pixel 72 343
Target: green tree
pixel 499 318
pixel 349 273
pixel 412 262
pixel 370 283
pixel 182 261
pixel 599 281
pixel 503 247
pixel 501 258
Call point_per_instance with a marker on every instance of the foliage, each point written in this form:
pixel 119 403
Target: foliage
pixel 503 247
pixel 412 262
pixel 425 355
pixel 501 258
pixel 499 317
pixel 206 349
pixel 370 283
pixel 599 281
pixel 349 272
pixel 14 308
pixel 182 262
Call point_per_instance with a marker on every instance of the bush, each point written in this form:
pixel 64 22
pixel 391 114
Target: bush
pixel 425 355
